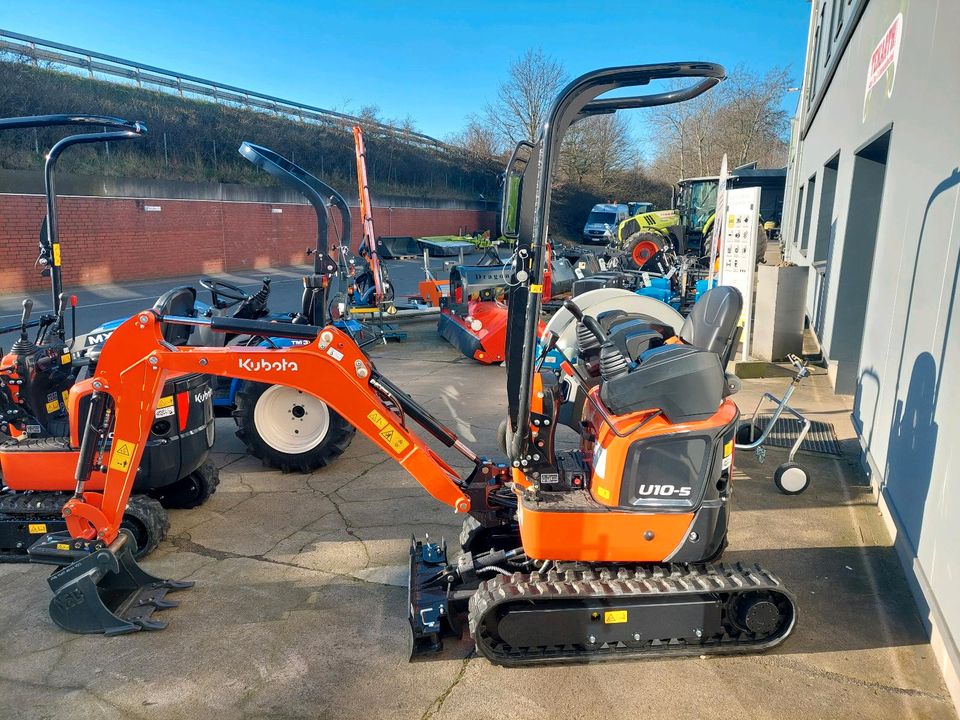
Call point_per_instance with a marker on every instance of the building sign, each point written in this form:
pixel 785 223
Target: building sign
pixel 885 55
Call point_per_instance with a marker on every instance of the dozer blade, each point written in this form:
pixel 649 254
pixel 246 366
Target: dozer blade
pixel 105 591
pixel 428 598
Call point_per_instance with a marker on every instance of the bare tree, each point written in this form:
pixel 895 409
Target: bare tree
pixel 594 149
pixel 478 140
pixel 741 118
pixel 524 98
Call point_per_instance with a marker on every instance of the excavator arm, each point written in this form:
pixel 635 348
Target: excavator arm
pixel 137 361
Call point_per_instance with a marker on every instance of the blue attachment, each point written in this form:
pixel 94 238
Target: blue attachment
pixel 660 289
pixel 702 287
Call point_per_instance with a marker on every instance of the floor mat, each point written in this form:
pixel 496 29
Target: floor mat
pixel 821 438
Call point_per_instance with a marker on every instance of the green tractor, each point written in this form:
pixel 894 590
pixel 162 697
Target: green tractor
pixel 648 239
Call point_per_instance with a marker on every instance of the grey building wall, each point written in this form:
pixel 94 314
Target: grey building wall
pixel 872 212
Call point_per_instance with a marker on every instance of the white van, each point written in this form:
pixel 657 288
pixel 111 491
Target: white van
pixel 602 223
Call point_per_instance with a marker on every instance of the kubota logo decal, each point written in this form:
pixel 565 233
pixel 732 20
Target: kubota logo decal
pixel 201 397
pixel 259 365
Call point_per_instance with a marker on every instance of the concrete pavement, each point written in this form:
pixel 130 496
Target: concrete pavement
pixel 299 608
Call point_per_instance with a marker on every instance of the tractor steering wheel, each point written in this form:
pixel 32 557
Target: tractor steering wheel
pixel 225 290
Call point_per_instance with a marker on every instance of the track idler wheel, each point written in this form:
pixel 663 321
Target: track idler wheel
pixel 757 614
pixel 108 592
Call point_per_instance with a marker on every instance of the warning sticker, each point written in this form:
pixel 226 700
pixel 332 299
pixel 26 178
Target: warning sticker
pixel 122 454
pixel 377 419
pixel 56 254
pixel 388 432
pixel 397 441
pixel 536 288
pixel 164 407
pixel 37 528
pixel 615 616
pixel 63 546
pixel 65 359
pixel 52 406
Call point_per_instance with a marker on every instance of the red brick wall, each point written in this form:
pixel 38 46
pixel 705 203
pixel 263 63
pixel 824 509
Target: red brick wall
pixel 106 240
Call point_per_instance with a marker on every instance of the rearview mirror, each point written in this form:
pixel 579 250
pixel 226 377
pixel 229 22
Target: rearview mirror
pixel 510 198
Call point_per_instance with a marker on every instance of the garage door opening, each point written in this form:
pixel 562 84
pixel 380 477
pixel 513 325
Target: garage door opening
pixel 856 266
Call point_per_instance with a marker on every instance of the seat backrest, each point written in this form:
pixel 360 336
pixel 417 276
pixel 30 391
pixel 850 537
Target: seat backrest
pixel 713 322
pixel 177 301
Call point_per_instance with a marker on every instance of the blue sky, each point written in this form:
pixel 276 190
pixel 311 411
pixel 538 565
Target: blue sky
pixel 437 62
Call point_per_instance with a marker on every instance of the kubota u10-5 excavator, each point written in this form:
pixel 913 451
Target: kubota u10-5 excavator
pixel 603 552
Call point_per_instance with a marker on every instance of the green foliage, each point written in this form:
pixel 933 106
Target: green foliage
pixel 202 140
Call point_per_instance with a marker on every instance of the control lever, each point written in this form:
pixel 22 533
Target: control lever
pixel 73 320
pixel 25 318
pixel 589 322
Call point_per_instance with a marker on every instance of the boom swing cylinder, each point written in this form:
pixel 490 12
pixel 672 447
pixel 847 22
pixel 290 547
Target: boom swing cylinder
pixel 597 553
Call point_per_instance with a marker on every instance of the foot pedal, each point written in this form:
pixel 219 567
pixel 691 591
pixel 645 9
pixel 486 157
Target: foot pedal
pixel 106 591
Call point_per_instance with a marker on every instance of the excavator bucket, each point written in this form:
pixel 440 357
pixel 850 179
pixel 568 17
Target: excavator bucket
pixel 105 591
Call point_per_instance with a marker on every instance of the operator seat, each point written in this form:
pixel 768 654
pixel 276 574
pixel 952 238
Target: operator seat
pixel 714 322
pixel 178 301
pixel 686 382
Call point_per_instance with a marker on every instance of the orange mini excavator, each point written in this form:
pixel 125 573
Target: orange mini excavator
pixel 602 552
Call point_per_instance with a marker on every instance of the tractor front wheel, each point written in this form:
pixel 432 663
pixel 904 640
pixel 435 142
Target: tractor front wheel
pixel 289 429
pixel 642 248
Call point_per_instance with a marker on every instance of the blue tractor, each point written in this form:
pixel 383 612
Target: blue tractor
pixel 285 428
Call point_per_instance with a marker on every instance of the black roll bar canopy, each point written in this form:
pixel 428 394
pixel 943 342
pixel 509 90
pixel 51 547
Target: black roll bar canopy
pixel 320 196
pixel 578 100
pixel 119 129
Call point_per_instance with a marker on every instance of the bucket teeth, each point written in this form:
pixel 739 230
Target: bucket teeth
pixel 105 591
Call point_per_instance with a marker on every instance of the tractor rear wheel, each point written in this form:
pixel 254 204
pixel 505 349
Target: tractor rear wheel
pixel 289 429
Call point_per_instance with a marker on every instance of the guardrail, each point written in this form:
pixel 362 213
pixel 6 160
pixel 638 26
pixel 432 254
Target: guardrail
pixel 37 50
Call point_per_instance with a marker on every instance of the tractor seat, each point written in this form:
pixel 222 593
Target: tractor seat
pixel 177 301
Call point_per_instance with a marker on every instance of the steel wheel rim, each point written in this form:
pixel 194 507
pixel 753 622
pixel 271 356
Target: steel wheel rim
pixel 291 421
pixel 793 479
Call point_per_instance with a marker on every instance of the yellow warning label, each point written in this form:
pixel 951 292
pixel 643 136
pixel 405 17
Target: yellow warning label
pixel 603 492
pixel 728 449
pixel 122 454
pixel 66 397
pixel 65 359
pixel 731 219
pixel 165 401
pixel 615 616
pixel 37 528
pixel 397 441
pixel 56 254
pixel 536 289
pixel 63 546
pixel 53 406
pixel 377 419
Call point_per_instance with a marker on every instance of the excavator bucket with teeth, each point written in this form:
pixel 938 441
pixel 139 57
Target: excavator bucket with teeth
pixel 105 591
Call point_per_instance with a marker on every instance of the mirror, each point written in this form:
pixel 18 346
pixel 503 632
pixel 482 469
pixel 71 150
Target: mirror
pixel 510 197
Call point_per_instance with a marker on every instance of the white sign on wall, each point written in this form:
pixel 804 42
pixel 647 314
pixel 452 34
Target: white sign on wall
pixel 738 252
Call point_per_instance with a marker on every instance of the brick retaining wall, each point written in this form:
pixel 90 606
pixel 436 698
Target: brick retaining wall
pixel 107 240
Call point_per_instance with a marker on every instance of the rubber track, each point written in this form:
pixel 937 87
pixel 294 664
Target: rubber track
pixel 45 507
pixel 621 583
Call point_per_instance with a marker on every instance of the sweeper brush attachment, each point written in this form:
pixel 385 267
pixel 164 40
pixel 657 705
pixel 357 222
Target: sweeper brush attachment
pixel 105 591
